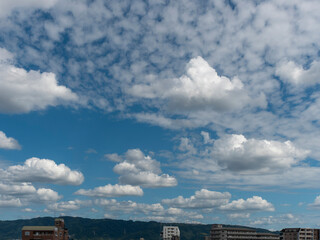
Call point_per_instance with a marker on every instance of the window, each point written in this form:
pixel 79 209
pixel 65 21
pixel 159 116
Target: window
pixel 27 233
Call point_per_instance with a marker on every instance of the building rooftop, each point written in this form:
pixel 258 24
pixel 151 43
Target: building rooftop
pixel 233 229
pixel 39 228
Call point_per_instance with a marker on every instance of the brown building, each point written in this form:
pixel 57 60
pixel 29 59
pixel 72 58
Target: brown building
pixel 299 234
pixel 316 234
pixel 56 232
pixel 218 232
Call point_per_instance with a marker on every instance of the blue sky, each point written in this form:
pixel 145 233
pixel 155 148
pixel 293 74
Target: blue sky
pixel 174 111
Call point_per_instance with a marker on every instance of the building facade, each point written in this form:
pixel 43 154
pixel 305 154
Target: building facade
pixel 218 232
pixel 56 232
pixel 299 234
pixel 170 233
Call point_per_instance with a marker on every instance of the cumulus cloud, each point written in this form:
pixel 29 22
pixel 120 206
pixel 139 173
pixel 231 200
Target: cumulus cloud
pixel 26 193
pixel 24 91
pixel 316 203
pixel 44 170
pixel 255 203
pixel 239 154
pixel 242 162
pixel 142 211
pixel 47 195
pixel 175 215
pixel 71 205
pixel 17 188
pixel 8 201
pixel 138 169
pixel 8 142
pixel 112 191
pixel 129 206
pixel 205 199
pixel 200 89
pixel 202 199
pixel 295 74
pixel 286 219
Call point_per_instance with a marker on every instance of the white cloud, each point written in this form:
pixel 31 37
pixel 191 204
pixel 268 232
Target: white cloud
pixel 71 205
pixel 144 179
pixel 200 89
pixel 142 211
pixel 44 170
pixel 112 191
pixel 24 91
pixel 246 40
pixel 6 201
pixel 47 195
pixel 241 162
pixel 17 188
pixel 239 154
pixel 186 146
pixel 138 169
pixel 94 210
pixel 202 199
pixel 255 203
pixel 316 203
pixel 218 201
pixel 28 210
pixel 253 38
pixel 8 142
pixel 26 193
pixel 284 219
pixel 129 206
pixel 206 137
pixel 295 74
pixel 296 177
pixel 166 122
pixel 113 157
pixel 7 6
pixel 238 215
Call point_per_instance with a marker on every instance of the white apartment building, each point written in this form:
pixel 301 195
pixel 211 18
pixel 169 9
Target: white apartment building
pixel 170 232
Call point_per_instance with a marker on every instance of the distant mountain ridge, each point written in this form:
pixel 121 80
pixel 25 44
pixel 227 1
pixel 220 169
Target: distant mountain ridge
pixel 109 229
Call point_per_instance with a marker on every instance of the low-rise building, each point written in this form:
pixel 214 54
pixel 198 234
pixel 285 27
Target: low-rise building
pixel 218 232
pixel 299 234
pixel 56 232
